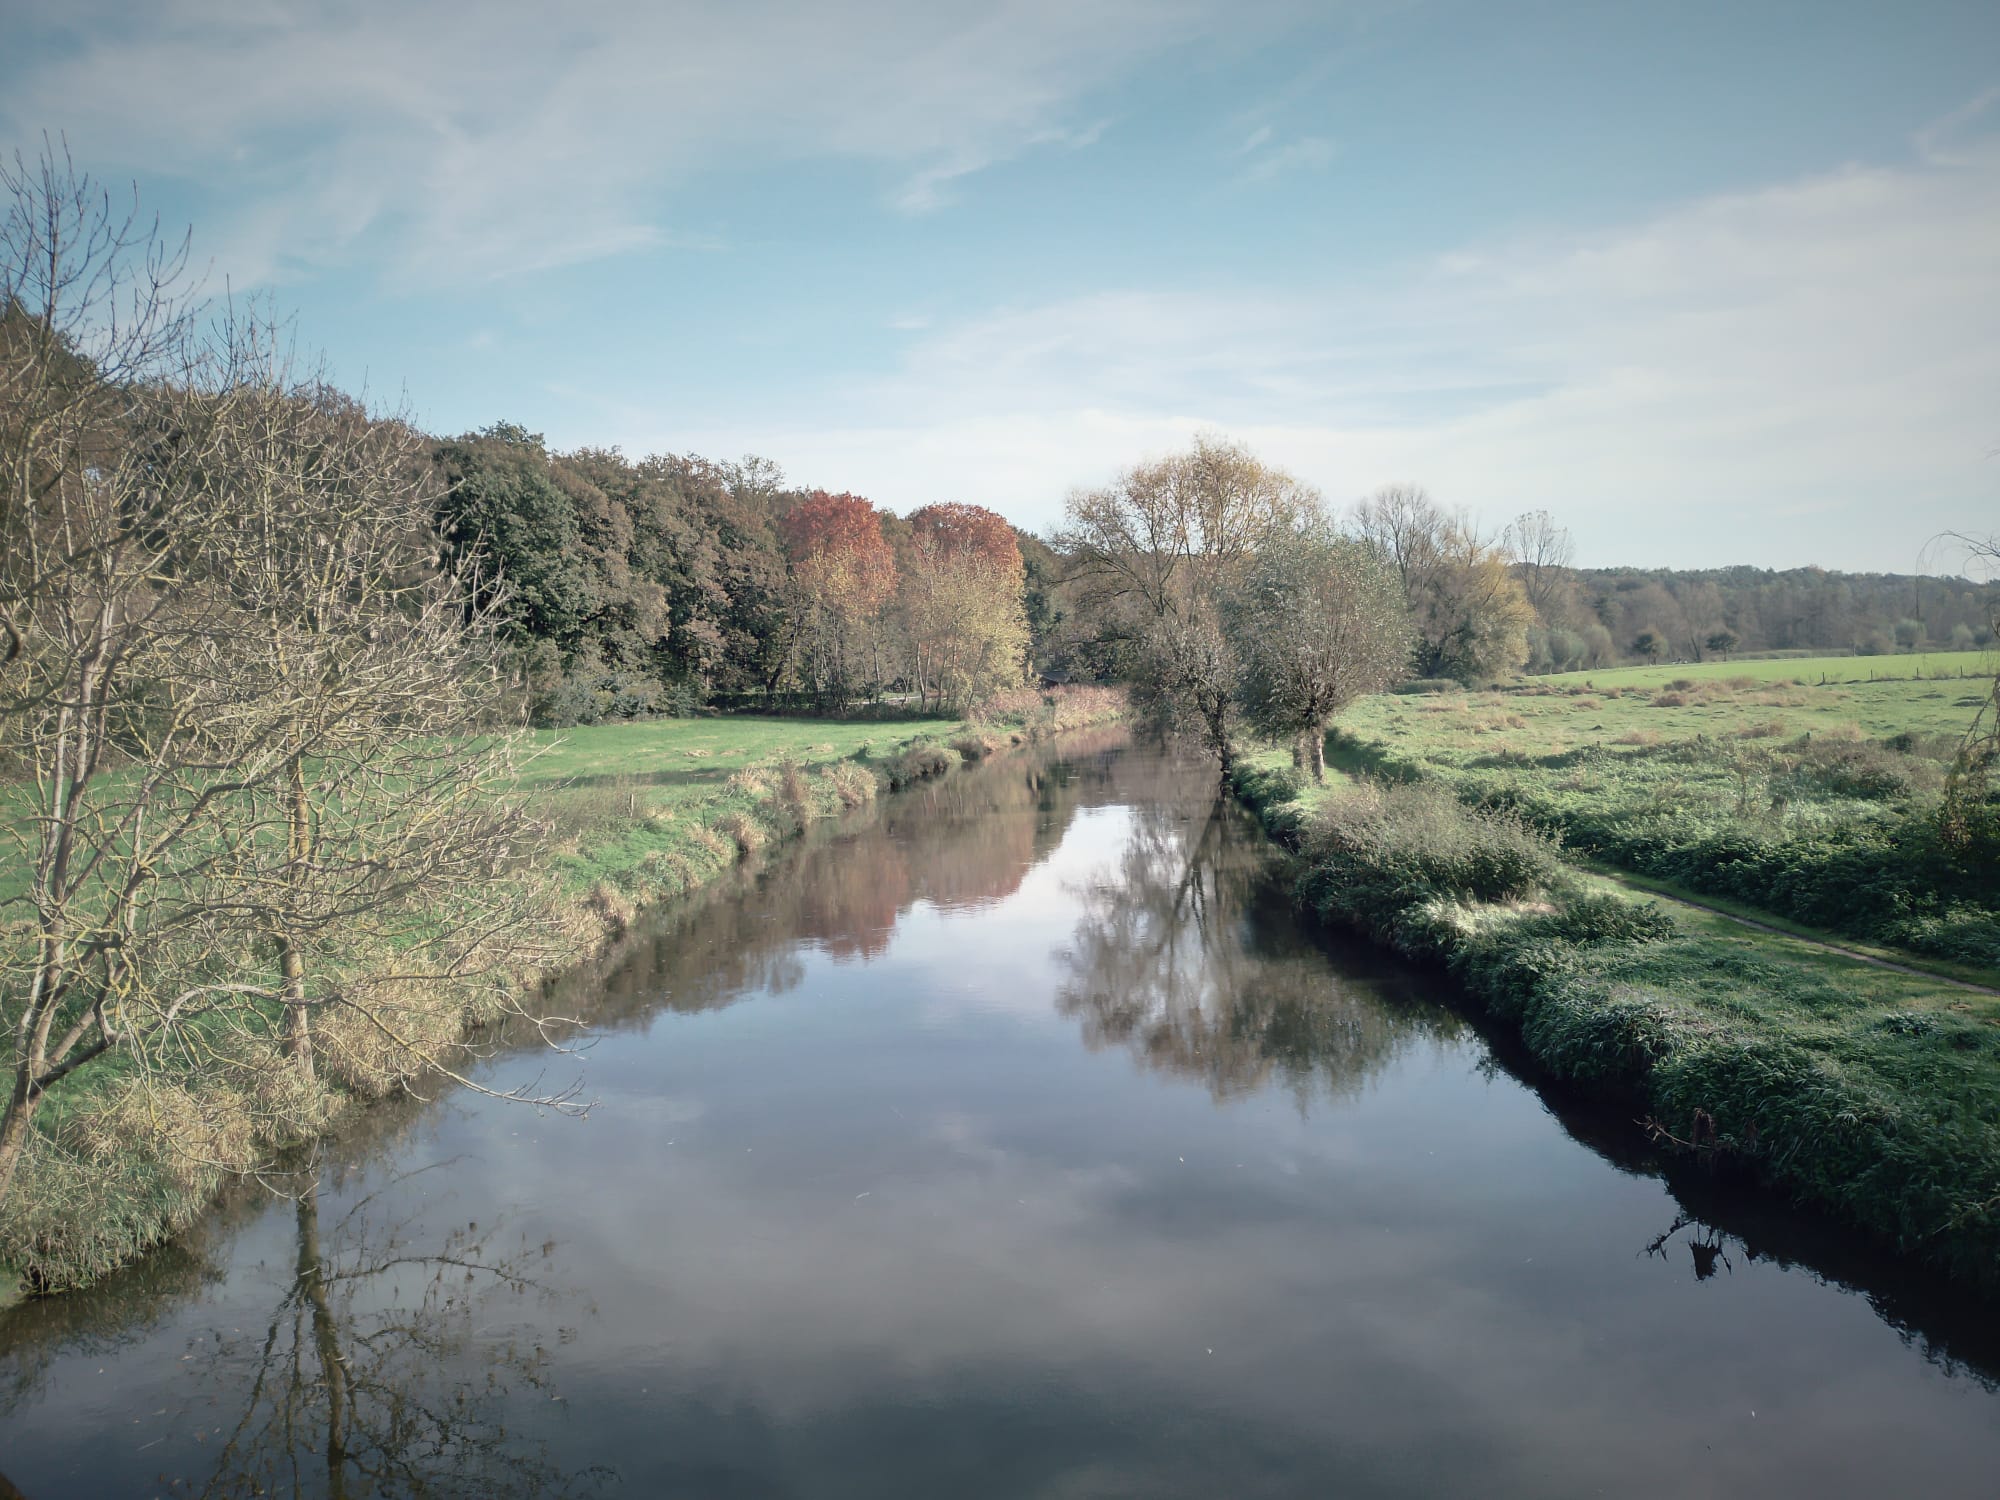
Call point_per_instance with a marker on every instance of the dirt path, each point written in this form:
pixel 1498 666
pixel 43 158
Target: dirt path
pixel 1811 942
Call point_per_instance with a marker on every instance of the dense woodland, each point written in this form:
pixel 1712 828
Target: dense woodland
pixel 663 584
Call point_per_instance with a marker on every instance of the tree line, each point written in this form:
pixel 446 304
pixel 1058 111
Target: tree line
pixel 628 587
pixel 1600 617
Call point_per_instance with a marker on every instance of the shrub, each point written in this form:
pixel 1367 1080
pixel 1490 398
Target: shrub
pixel 1419 685
pixel 746 832
pixel 1600 917
pixel 920 761
pixel 853 784
pixel 1414 843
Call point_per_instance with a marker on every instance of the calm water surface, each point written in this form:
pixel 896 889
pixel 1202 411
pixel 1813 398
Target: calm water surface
pixel 1011 1141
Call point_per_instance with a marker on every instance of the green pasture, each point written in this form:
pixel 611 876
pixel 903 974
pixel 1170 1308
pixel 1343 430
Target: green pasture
pixel 1548 715
pixel 680 757
pixel 1757 783
pixel 1839 669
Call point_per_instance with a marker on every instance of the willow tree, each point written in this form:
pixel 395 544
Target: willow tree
pixel 1317 621
pixel 1152 557
pixel 963 606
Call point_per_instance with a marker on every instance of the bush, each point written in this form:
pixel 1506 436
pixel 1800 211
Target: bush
pixel 1603 918
pixel 919 761
pixel 1418 685
pixel 1412 843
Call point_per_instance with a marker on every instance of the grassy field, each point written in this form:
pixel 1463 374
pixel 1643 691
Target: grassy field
pixel 1833 669
pixel 1810 800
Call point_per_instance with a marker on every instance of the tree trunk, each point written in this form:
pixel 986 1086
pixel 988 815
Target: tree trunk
pixel 291 962
pixel 326 1340
pixel 14 1127
pixel 1316 750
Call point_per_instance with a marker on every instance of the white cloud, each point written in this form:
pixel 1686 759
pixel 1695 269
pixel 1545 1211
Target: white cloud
pixel 474 141
pixel 1804 373
pixel 1308 153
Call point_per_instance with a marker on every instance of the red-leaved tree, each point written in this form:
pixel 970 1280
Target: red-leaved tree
pixel 843 573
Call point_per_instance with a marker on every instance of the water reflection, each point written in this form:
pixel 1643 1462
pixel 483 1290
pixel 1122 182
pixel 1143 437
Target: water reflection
pixel 958 845
pixel 1186 954
pixel 383 1367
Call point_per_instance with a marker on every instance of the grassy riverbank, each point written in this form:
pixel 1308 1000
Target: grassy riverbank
pixel 637 813
pixel 1862 1091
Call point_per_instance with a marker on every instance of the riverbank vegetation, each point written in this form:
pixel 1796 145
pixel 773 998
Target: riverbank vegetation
pixel 1823 792
pixel 278 838
pixel 1866 1092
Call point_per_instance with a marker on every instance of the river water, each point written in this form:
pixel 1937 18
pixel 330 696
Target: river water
pixel 1009 1140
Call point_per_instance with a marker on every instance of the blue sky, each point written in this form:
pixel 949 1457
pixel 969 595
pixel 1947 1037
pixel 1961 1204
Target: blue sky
pixel 1712 282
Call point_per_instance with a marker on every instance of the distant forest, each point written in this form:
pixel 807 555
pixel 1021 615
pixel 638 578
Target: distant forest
pixel 1604 615
pixel 659 585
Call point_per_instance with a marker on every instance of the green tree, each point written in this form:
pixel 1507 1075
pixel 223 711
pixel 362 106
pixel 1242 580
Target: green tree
pixel 1318 621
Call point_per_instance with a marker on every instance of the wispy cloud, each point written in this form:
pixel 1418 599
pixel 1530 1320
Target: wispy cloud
pixel 1308 153
pixel 1942 141
pixel 465 141
pixel 1807 371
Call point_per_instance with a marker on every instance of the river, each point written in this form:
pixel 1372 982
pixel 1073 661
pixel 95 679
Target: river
pixel 1010 1139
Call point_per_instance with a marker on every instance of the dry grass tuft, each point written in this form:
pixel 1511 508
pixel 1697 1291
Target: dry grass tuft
pixel 746 831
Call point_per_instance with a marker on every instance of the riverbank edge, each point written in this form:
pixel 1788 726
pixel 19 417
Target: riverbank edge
pixel 786 799
pixel 1700 1080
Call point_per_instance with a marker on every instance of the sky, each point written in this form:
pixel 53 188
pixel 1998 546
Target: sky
pixel 1711 282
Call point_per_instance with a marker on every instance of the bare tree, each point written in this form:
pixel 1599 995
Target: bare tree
pixel 1469 613
pixel 244 699
pixel 1541 553
pixel 1318 621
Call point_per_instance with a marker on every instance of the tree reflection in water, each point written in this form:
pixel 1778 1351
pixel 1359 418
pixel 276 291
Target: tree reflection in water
pixel 377 1373
pixel 957 844
pixel 1186 955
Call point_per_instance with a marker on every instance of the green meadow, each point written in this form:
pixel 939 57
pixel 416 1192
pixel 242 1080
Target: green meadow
pixel 1800 788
